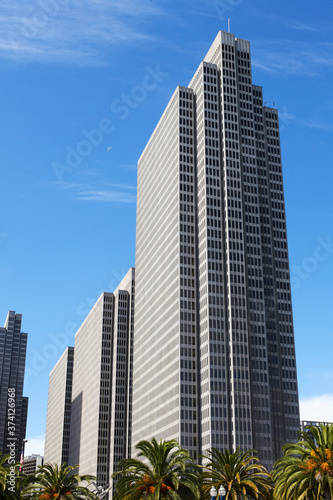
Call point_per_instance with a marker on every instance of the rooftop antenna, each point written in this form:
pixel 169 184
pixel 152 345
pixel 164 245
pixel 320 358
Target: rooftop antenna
pixel 229 25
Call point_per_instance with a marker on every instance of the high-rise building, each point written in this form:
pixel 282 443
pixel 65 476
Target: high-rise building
pixel 214 356
pixel 101 391
pixel 13 405
pixel 58 418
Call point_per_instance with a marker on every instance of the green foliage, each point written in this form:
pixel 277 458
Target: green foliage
pixel 13 483
pixel 167 472
pixel 3 472
pixel 306 469
pixel 240 474
pixel 50 482
pixel 53 482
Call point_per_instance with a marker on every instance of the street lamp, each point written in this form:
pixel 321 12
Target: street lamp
pixel 222 492
pixel 213 493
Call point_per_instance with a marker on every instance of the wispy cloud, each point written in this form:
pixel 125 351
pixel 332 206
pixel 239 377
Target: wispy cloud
pixel 100 191
pixel 317 408
pixel 71 31
pixel 130 167
pixel 35 445
pixel 121 186
pixel 299 26
pixel 261 65
pixel 295 24
pixel 106 196
pixel 328 127
pixel 287 57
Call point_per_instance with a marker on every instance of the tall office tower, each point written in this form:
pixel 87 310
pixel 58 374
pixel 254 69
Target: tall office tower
pixel 102 384
pixel 58 418
pixel 214 357
pixel 13 405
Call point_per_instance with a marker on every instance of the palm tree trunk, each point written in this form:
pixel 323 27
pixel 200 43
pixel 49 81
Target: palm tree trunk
pixel 327 494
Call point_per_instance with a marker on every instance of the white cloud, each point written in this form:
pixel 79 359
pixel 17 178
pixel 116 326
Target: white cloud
pixel 317 408
pixel 296 25
pixel 108 196
pixel 328 127
pixel 288 57
pixel 35 445
pixel 76 31
pixel 261 65
pixel 104 192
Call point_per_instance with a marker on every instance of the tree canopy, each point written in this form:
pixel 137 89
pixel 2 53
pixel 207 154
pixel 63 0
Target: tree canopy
pixel 167 471
pixel 306 469
pixel 240 474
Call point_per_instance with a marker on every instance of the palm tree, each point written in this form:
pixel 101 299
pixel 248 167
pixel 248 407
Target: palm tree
pixel 168 472
pixel 306 468
pixel 3 471
pixel 12 482
pixel 60 483
pixel 240 474
pixel 21 489
pixel 3 474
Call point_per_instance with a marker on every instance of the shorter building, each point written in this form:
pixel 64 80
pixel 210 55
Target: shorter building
pixel 306 423
pixel 31 464
pixel 91 387
pixel 13 405
pixel 58 418
pixel 102 384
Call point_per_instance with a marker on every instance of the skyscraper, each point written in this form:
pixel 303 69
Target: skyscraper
pixel 58 418
pixel 13 406
pixel 101 396
pixel 214 356
pixel 99 386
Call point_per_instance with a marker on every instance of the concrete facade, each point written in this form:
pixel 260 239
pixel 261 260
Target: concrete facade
pixel 214 356
pixel 13 405
pixel 102 384
pixel 59 410
pixel 31 464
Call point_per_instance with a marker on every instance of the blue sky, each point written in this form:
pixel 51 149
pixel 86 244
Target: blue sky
pixel 83 84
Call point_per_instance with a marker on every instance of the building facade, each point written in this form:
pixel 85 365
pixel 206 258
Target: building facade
pixel 214 362
pixel 13 405
pixel 122 370
pixel 101 400
pixel 58 418
pixel 314 423
pixel 31 464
